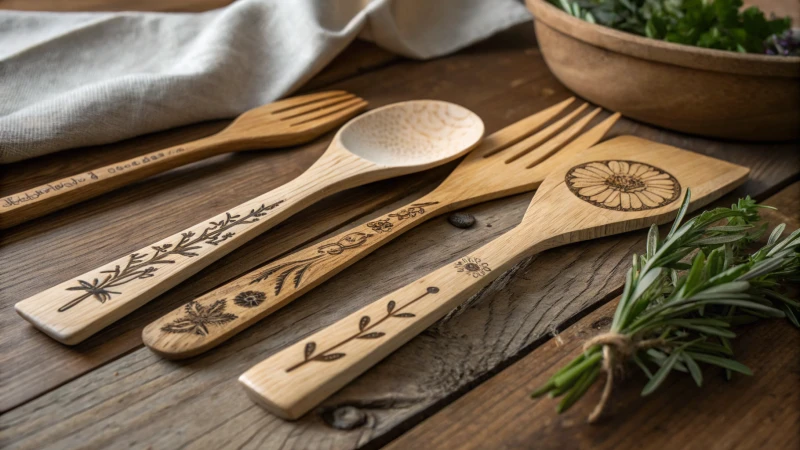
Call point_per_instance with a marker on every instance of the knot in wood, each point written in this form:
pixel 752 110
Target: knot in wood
pixel 344 417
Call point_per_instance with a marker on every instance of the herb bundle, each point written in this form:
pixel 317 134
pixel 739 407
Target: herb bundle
pixel 681 299
pixel 717 24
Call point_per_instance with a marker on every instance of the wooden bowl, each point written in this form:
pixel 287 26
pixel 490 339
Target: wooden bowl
pixel 694 90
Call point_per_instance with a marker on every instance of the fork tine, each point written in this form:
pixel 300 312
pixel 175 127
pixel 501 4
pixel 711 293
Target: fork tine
pixel 548 148
pixel 332 117
pixel 524 147
pixel 519 130
pixel 310 107
pixel 293 102
pixel 583 142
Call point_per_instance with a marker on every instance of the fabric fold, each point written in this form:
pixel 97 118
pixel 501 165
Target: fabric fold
pixel 76 79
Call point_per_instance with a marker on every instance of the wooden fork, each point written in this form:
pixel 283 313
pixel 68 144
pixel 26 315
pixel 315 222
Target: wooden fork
pixel 500 166
pixel 623 184
pixel 283 123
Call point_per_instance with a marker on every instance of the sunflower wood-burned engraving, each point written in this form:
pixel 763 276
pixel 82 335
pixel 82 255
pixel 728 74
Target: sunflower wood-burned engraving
pixel 365 327
pixel 623 185
pixel 472 266
pixel 385 225
pixel 143 265
pixel 198 317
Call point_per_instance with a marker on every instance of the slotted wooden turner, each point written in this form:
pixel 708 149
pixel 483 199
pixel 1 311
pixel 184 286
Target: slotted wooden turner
pixel 502 165
pixel 623 184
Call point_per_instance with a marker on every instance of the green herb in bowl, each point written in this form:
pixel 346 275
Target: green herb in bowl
pixel 717 24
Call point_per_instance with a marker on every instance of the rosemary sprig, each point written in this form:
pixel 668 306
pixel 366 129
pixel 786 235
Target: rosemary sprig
pixel 681 299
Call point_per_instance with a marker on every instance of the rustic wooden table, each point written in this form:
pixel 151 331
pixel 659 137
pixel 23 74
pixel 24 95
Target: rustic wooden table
pixel 464 383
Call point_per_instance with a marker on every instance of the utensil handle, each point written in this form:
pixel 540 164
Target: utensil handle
pixel 298 378
pixel 259 293
pixel 74 310
pixel 36 202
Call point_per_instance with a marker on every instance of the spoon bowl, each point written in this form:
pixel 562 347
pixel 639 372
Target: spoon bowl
pixel 476 179
pixel 412 134
pixel 391 141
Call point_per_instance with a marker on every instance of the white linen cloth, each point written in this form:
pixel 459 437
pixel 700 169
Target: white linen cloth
pixel 77 79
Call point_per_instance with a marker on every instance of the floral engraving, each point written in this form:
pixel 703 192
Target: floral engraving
pixel 380 225
pixel 143 265
pixel 412 211
pixel 385 225
pixel 250 299
pixel 472 266
pixel 198 317
pixel 299 267
pixel 365 327
pixel 623 185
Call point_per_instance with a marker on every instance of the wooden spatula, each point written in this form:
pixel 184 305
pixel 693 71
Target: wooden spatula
pixel 394 140
pixel 620 185
pixel 291 121
pixel 501 165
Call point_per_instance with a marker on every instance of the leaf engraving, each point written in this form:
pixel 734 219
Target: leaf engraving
pixel 365 324
pixel 330 357
pixel 362 324
pixel 309 350
pixel 143 265
pixel 373 335
pixel 301 266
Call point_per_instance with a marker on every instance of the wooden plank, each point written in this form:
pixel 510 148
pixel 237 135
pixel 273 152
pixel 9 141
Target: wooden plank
pixel 58 364
pixel 95 228
pixel 757 412
pixel 140 398
pixel 29 353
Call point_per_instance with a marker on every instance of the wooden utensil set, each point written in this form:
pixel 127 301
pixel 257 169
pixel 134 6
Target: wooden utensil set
pixel 585 190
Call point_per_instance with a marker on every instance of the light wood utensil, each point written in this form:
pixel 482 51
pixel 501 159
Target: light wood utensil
pixel 391 141
pixel 502 165
pixel 623 184
pixel 291 121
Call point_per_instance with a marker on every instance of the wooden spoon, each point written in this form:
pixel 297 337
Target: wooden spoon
pixel 501 165
pixel 391 141
pixel 291 121
pixel 621 185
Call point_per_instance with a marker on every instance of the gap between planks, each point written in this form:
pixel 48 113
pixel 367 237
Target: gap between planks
pixel 500 413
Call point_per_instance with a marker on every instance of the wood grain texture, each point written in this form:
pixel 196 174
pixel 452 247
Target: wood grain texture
pixel 288 122
pixel 503 79
pixel 748 412
pixel 143 397
pixel 32 355
pixel 487 172
pixel 732 95
pixel 588 197
pixel 391 141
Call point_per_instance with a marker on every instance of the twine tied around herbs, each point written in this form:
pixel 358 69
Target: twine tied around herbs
pixel 617 350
